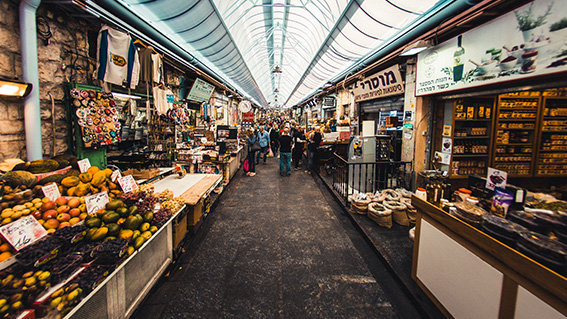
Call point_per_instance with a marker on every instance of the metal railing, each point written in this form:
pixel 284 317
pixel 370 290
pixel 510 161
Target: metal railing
pixel 351 178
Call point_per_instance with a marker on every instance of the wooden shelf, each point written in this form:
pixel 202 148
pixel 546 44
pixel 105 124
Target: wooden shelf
pixel 517 120
pixel 471 137
pixel 473 120
pixel 470 155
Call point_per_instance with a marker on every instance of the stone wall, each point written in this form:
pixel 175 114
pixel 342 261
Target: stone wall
pixel 56 67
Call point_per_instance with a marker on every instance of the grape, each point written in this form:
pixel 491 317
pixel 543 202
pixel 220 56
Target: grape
pixel 161 217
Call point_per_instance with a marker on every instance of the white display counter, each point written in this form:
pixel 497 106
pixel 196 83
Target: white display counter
pixel 469 274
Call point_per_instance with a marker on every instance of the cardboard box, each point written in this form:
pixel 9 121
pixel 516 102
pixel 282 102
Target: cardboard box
pixel 195 213
pixel 179 232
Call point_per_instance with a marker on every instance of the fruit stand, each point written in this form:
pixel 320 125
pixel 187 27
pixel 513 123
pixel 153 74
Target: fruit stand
pixel 84 242
pixel 122 291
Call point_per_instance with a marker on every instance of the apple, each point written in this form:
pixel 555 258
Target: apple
pixel 74 220
pixel 75 212
pixel 82 216
pixel 63 209
pixel 51 224
pixel 50 214
pixel 74 202
pixel 63 224
pixel 63 217
pixel 61 201
pixel 37 214
pixel 48 206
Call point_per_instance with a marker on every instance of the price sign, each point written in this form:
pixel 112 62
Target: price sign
pixel 96 202
pixel 23 232
pixel 84 165
pixel 115 175
pixel 127 183
pixel 51 191
pixel 496 178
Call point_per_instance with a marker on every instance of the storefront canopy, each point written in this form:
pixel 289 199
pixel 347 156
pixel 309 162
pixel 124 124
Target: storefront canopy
pixel 310 41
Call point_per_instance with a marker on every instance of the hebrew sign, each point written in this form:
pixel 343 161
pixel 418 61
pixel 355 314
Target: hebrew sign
pixel 384 83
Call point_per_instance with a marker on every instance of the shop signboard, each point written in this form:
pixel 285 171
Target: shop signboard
pixel 384 83
pixel 501 50
pixel 201 91
pixel 248 117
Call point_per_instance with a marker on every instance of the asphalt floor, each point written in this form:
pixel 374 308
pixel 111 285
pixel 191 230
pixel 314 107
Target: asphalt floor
pixel 278 247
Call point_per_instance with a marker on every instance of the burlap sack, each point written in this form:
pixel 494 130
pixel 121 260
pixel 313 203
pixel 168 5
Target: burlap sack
pixel 399 212
pixel 380 214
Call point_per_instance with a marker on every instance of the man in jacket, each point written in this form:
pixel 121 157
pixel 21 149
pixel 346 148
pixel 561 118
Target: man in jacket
pixel 274 137
pixel 264 139
pixel 312 147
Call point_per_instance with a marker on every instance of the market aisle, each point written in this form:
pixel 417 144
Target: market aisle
pixel 274 249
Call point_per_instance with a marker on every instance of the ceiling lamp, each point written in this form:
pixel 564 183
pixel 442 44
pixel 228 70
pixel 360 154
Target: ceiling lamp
pixel 14 88
pixel 416 47
pixel 328 84
pixel 276 90
pixel 277 69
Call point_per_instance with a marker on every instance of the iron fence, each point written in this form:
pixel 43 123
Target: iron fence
pixel 352 178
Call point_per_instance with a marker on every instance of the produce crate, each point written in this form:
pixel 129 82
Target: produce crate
pixel 142 174
pixel 195 213
pixel 179 228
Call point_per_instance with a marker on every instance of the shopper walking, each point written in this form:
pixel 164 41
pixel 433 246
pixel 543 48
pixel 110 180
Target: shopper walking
pixel 274 139
pixel 285 153
pixel 298 145
pixel 314 141
pixel 264 139
pixel 252 139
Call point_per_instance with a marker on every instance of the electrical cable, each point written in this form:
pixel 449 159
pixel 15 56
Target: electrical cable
pixel 43 29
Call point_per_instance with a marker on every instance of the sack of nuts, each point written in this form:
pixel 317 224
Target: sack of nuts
pixel 380 214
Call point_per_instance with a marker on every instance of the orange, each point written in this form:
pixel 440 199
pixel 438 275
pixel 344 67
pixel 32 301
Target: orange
pixel 5 247
pixel 5 255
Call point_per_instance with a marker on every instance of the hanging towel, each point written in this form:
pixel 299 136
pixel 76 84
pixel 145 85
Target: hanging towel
pixel 117 58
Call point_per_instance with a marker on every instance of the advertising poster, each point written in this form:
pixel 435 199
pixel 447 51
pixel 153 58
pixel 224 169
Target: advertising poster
pixel 526 42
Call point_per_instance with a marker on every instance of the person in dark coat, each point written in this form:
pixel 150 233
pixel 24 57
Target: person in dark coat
pixel 286 142
pixel 274 139
pixel 312 147
pixel 252 138
pixel 298 144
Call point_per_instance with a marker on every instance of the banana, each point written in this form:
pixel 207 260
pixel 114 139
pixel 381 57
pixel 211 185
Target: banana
pixel 44 276
pixel 7 280
pixel 3 302
pixel 17 305
pixel 72 295
pixel 15 298
pixel 57 293
pixel 17 284
pixel 4 309
pixel 37 273
pixel 55 302
pixel 30 281
pixel 27 275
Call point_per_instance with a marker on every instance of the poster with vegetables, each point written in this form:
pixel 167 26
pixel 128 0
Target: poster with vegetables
pixel 527 42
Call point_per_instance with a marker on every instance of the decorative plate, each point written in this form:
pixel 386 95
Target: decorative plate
pixel 84 94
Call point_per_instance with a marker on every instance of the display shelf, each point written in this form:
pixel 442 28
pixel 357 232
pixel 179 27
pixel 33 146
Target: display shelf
pixel 520 141
pixel 552 147
pixel 472 127
pixel 470 155
pixel 470 137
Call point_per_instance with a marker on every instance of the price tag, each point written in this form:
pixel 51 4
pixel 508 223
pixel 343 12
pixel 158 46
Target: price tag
pixel 51 191
pixel 23 232
pixel 127 183
pixel 496 178
pixel 115 175
pixel 96 202
pixel 84 165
